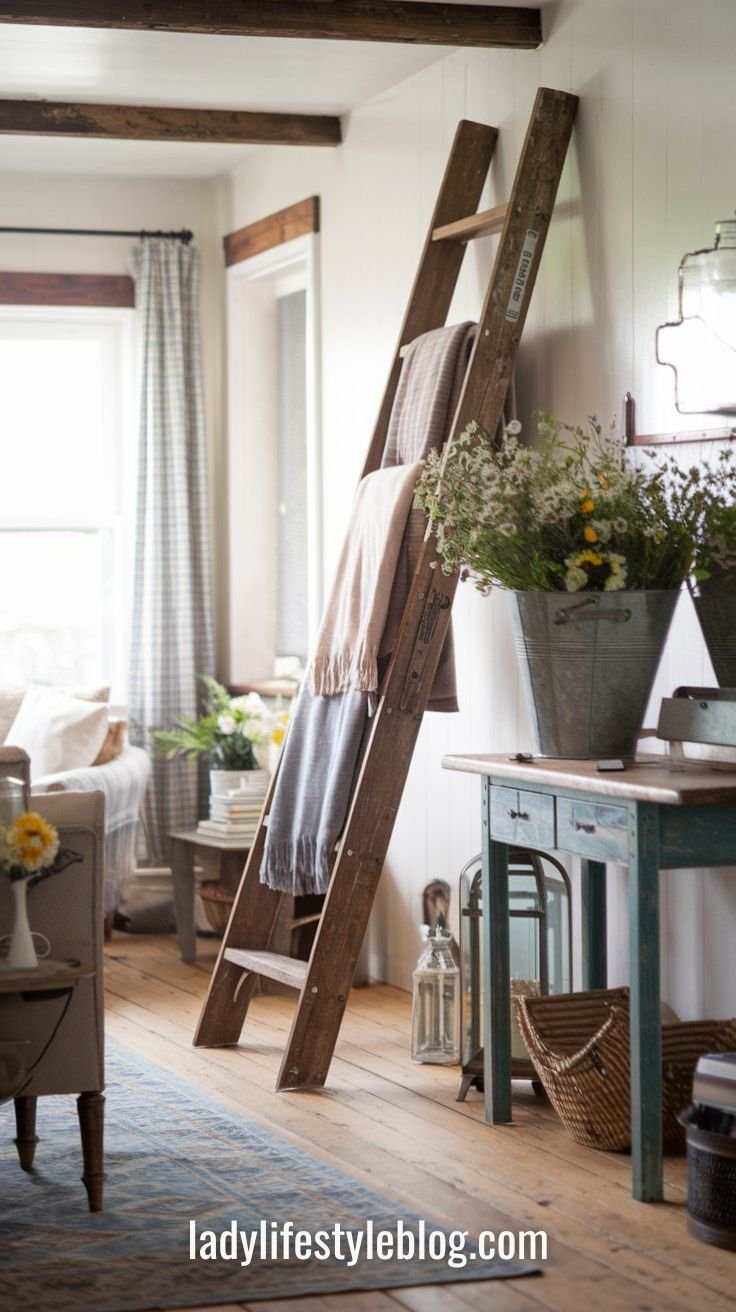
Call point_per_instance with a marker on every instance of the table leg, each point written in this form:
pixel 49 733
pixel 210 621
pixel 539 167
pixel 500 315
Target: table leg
pixel 91 1112
pixel 25 1123
pixel 496 972
pixel 182 870
pixel 594 917
pixel 646 1029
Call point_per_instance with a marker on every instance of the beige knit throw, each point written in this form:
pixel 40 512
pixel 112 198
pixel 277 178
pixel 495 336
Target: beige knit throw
pixel 346 655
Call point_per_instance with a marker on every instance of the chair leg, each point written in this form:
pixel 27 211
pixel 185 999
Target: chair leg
pixel 91 1111
pixel 25 1125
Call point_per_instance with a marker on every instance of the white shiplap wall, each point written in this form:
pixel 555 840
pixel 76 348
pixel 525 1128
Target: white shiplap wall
pixel 650 170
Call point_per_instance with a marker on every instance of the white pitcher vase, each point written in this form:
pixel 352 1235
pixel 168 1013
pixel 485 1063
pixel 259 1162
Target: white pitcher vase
pixel 22 953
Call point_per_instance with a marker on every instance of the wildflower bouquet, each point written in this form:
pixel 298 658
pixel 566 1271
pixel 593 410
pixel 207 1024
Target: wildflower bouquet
pixel 228 732
pixel 567 515
pixel 30 850
pixel 705 499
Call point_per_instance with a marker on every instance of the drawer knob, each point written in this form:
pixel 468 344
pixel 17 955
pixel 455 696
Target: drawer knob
pixel 587 829
pixel 519 815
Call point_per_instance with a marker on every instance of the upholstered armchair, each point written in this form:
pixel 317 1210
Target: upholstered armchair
pixel 64 1026
pixel 123 780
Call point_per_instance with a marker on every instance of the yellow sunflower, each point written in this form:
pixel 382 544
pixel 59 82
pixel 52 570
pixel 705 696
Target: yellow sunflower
pixel 34 841
pixel 590 534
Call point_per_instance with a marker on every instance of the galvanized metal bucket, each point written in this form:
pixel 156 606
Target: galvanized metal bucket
pixel 717 615
pixel 588 663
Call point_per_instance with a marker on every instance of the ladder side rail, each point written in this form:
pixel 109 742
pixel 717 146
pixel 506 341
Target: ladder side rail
pixel 440 262
pixel 518 257
pixel 366 836
pixel 364 844
pixel 251 925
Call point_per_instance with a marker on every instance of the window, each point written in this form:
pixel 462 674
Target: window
pixel 273 460
pixel 66 495
pixel 292 540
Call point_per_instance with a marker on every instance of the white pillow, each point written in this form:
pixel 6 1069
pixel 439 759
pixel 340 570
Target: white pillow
pixel 94 693
pixel 59 732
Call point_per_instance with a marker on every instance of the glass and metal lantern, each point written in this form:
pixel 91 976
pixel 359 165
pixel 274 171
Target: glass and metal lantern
pixel 701 346
pixel 435 1023
pixel 540 907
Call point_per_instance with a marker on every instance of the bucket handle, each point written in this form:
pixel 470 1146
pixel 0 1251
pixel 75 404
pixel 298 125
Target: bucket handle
pixel 579 611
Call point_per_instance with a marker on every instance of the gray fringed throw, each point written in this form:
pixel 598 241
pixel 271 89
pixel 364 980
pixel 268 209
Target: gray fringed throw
pixel 321 755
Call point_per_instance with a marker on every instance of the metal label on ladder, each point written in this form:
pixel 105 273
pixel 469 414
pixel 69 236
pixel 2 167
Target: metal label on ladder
pixel 523 268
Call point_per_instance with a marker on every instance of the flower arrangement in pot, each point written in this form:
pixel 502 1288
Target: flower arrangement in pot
pixel 593 553
pixel 29 852
pixel 711 494
pixel 233 734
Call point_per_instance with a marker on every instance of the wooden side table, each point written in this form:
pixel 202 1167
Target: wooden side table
pixel 221 860
pixel 50 979
pixel 649 817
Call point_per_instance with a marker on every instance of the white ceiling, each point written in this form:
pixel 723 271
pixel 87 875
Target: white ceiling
pixel 158 68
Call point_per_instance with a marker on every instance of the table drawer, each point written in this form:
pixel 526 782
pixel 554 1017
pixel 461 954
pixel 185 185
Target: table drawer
pixel 593 829
pixel 527 819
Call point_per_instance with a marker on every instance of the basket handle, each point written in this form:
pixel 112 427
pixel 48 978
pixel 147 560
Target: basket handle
pixel 580 611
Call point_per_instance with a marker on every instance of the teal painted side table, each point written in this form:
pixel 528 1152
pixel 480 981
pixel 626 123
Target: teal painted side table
pixel 650 817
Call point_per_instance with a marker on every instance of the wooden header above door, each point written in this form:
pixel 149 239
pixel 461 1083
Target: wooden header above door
pixel 295 221
pixel 105 290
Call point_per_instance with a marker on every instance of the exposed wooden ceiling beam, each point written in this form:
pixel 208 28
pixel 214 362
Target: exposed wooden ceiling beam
pixel 149 123
pixel 416 22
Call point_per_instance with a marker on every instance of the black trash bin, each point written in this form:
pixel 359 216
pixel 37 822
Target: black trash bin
pixel 710 1125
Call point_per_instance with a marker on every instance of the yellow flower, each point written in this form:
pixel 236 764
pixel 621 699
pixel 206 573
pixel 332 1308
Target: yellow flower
pixel 588 558
pixel 279 730
pixel 590 534
pixel 588 506
pixel 34 841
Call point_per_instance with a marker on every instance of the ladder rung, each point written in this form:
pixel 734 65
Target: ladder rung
pixel 475 225
pixel 301 921
pixel 287 970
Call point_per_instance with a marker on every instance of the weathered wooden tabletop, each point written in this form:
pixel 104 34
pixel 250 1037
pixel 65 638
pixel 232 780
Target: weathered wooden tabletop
pixel 648 779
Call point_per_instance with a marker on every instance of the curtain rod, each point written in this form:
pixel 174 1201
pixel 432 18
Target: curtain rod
pixel 184 236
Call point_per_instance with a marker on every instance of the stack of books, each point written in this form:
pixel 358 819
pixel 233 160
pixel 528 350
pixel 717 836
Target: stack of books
pixel 233 817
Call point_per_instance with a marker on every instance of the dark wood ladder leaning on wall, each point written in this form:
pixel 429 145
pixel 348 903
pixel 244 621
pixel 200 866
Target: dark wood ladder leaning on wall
pixel 324 981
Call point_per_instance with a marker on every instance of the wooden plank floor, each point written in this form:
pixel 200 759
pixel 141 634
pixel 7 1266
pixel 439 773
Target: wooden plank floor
pixel 396 1127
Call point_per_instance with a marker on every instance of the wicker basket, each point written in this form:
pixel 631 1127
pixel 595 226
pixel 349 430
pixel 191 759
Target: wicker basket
pixel 579 1044
pixel 218 903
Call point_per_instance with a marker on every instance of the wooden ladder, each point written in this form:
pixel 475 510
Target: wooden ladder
pixel 324 981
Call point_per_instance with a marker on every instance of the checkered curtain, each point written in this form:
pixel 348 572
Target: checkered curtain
pixel 172 612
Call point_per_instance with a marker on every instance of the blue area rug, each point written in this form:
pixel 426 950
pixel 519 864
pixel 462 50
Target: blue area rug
pixel 173 1157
